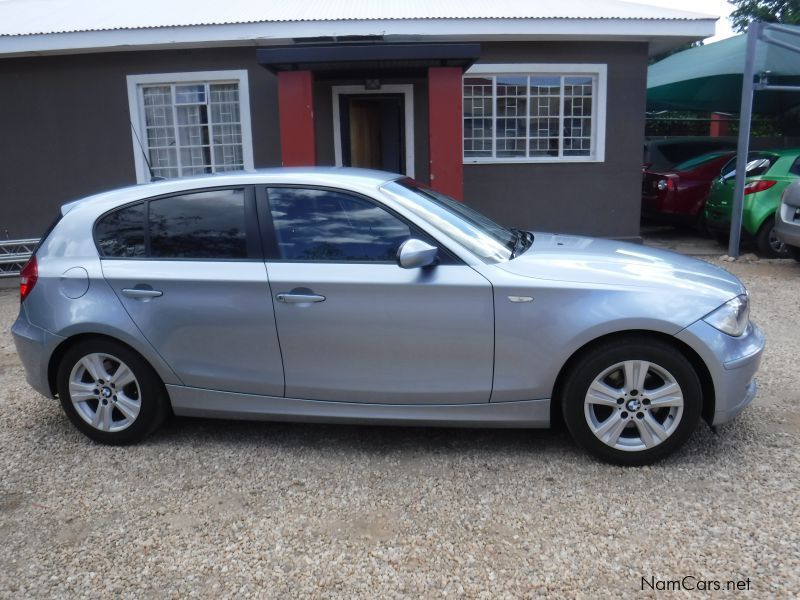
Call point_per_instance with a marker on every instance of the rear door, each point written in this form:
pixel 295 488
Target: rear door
pixel 356 327
pixel 189 270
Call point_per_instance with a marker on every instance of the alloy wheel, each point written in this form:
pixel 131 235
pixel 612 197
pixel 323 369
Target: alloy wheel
pixel 105 392
pixel 634 405
pixel 775 242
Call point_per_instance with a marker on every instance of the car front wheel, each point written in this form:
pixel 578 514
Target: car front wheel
pixel 632 401
pixel 110 393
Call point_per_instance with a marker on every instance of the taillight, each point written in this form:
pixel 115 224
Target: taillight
pixel 28 278
pixel 758 186
pixel 665 184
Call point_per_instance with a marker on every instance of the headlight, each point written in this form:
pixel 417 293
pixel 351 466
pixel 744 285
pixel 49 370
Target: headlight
pixel 732 317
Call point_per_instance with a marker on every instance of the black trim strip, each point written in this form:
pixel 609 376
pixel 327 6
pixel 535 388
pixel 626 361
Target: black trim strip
pixel 286 58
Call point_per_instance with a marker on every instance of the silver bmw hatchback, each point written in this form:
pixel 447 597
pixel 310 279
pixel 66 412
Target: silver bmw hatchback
pixel 353 296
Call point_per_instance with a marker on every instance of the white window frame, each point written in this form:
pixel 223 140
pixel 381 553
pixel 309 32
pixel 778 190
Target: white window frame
pixel 407 90
pixel 599 71
pixel 136 110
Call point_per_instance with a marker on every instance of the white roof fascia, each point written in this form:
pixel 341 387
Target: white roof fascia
pixel 275 32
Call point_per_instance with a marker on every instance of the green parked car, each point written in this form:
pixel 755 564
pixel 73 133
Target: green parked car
pixel 768 174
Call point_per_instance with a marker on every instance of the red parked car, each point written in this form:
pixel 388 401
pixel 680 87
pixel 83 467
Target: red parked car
pixel 678 195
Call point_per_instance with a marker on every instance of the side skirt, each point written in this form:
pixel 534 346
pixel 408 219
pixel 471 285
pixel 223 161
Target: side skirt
pixel 196 402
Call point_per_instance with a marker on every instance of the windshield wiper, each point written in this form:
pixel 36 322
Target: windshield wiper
pixel 521 241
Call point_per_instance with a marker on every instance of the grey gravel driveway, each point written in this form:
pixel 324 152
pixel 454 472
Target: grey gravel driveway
pixel 210 509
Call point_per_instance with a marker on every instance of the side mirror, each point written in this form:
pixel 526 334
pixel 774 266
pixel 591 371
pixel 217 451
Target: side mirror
pixel 413 254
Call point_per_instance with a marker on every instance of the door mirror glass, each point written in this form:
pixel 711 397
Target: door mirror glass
pixel 414 254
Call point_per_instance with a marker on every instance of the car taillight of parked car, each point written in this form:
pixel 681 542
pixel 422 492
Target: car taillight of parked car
pixel 758 186
pixel 28 277
pixel 665 184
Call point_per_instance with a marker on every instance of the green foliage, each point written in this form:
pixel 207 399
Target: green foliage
pixel 767 11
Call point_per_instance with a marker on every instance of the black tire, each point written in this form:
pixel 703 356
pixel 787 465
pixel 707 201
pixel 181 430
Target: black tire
pixel 720 237
pixel 606 355
pixel 767 243
pixel 150 394
pixel 794 252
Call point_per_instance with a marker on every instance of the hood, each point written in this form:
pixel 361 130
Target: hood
pixel 604 262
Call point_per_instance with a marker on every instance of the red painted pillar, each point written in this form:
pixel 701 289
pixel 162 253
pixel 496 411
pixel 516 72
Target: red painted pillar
pixel 720 125
pixel 296 113
pixel 444 131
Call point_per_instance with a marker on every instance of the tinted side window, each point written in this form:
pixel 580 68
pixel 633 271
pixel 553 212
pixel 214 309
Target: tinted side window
pixel 757 164
pixel 200 225
pixel 120 234
pixel 795 168
pixel 324 225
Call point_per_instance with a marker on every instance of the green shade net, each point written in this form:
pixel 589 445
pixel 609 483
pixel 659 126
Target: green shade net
pixel 709 78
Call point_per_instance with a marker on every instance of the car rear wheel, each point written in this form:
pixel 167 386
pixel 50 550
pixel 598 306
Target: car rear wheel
pixel 110 393
pixel 767 241
pixel 794 252
pixel 633 401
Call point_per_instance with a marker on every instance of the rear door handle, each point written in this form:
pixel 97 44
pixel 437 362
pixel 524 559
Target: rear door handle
pixel 141 293
pixel 290 298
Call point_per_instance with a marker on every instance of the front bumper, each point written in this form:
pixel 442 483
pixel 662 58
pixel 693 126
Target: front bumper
pixel 717 219
pixel 732 363
pixel 34 346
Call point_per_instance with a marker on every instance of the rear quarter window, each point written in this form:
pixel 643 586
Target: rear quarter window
pixel 120 234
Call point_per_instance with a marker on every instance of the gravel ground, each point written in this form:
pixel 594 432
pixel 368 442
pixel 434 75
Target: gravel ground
pixel 210 508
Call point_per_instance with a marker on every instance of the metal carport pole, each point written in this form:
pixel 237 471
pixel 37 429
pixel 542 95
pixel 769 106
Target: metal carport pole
pixel 755 32
pixel 745 116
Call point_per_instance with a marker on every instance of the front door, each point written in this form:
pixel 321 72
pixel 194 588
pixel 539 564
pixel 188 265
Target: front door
pixel 372 130
pixel 353 325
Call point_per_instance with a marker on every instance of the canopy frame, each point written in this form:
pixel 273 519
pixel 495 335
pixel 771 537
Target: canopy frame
pixel 756 32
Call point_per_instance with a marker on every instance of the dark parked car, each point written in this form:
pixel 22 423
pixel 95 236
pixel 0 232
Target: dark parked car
pixel 661 155
pixel 678 195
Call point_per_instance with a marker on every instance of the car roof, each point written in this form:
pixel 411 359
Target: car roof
pixel 347 177
pixel 782 151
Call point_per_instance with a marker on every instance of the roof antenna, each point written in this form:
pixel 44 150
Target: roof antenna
pixel 153 176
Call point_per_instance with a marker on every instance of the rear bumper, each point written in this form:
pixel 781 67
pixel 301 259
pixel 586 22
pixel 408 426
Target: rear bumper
pixel 669 218
pixel 786 227
pixel 717 220
pixel 732 363
pixel 34 347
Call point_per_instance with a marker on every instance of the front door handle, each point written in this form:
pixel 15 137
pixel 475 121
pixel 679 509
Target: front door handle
pixel 141 293
pixel 291 298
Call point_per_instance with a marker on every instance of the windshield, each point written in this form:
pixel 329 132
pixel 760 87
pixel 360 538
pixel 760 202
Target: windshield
pixel 491 242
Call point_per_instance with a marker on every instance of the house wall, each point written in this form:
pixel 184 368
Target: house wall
pixel 66 131
pixel 589 198
pixel 66 134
